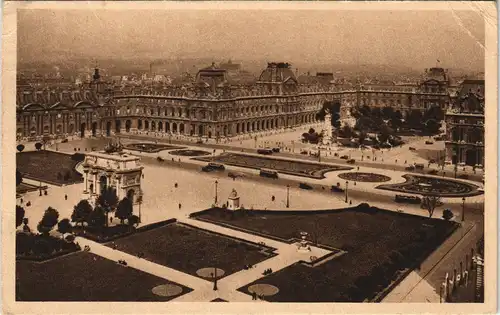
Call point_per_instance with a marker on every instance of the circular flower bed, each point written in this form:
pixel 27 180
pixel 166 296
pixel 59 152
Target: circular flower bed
pixel 365 177
pixel 189 152
pixel 167 290
pixel 263 289
pixel 424 185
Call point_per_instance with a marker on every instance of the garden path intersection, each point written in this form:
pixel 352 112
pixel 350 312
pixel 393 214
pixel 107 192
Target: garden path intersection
pixel 203 289
pixel 194 190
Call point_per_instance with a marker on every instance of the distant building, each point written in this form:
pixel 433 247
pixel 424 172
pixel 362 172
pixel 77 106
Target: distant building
pixel 230 66
pixel 465 126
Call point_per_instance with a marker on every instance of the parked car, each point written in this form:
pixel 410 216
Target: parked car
pixel 419 166
pixel 408 199
pixel 351 161
pixel 265 151
pixel 277 150
pixel 199 141
pixel 268 173
pixel 344 157
pixel 304 152
pixel 429 142
pixel 305 186
pixel 160 159
pixel 432 161
pixel 412 149
pixel 337 189
pixel 64 140
pixel 410 168
pixel 433 172
pixel 213 167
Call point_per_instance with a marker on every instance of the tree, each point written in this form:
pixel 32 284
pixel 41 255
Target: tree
pixel 376 112
pixel 19 215
pixel 434 112
pixel 365 110
pixel 49 220
pixel 388 112
pixel 64 226
pixel 363 123
pixel 415 118
pixel 19 178
pixel 346 131
pixel 97 218
pixel 385 133
pixel 361 137
pixel 133 220
pixel 395 123
pixel 20 147
pixel 305 137
pixel 432 126
pixel 430 203
pixel 108 200
pixel 38 146
pixel 81 212
pixel 124 209
pixel 336 120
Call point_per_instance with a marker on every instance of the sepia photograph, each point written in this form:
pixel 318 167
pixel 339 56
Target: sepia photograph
pixel 305 153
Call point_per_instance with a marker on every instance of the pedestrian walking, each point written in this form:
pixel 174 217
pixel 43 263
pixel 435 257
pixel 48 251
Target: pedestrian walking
pixel 65 197
pixel 180 206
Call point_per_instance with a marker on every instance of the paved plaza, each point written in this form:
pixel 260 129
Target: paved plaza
pixel 176 187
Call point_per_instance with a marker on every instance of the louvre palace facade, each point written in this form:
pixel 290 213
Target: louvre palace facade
pixel 210 106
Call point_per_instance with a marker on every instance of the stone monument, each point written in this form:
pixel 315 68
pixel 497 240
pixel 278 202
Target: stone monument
pixel 113 168
pixel 233 201
pixel 303 245
pixel 346 118
pixel 327 128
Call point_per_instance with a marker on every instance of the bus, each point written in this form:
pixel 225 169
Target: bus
pixel 268 173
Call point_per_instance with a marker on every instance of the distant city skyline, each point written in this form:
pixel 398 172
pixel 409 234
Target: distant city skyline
pixel 415 39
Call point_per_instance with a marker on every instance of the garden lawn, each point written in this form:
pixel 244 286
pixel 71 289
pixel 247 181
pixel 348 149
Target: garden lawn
pixel 189 249
pixel 85 277
pixel 292 167
pixel 45 165
pixel 370 240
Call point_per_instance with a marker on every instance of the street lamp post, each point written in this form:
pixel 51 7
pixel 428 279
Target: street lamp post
pixel 216 182
pixel 463 209
pixel 346 186
pixel 215 278
pixel 288 196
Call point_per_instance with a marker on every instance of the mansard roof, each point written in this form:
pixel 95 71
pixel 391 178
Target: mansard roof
pixel 34 99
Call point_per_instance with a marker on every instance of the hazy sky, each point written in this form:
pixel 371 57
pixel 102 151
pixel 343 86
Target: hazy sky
pixel 407 38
